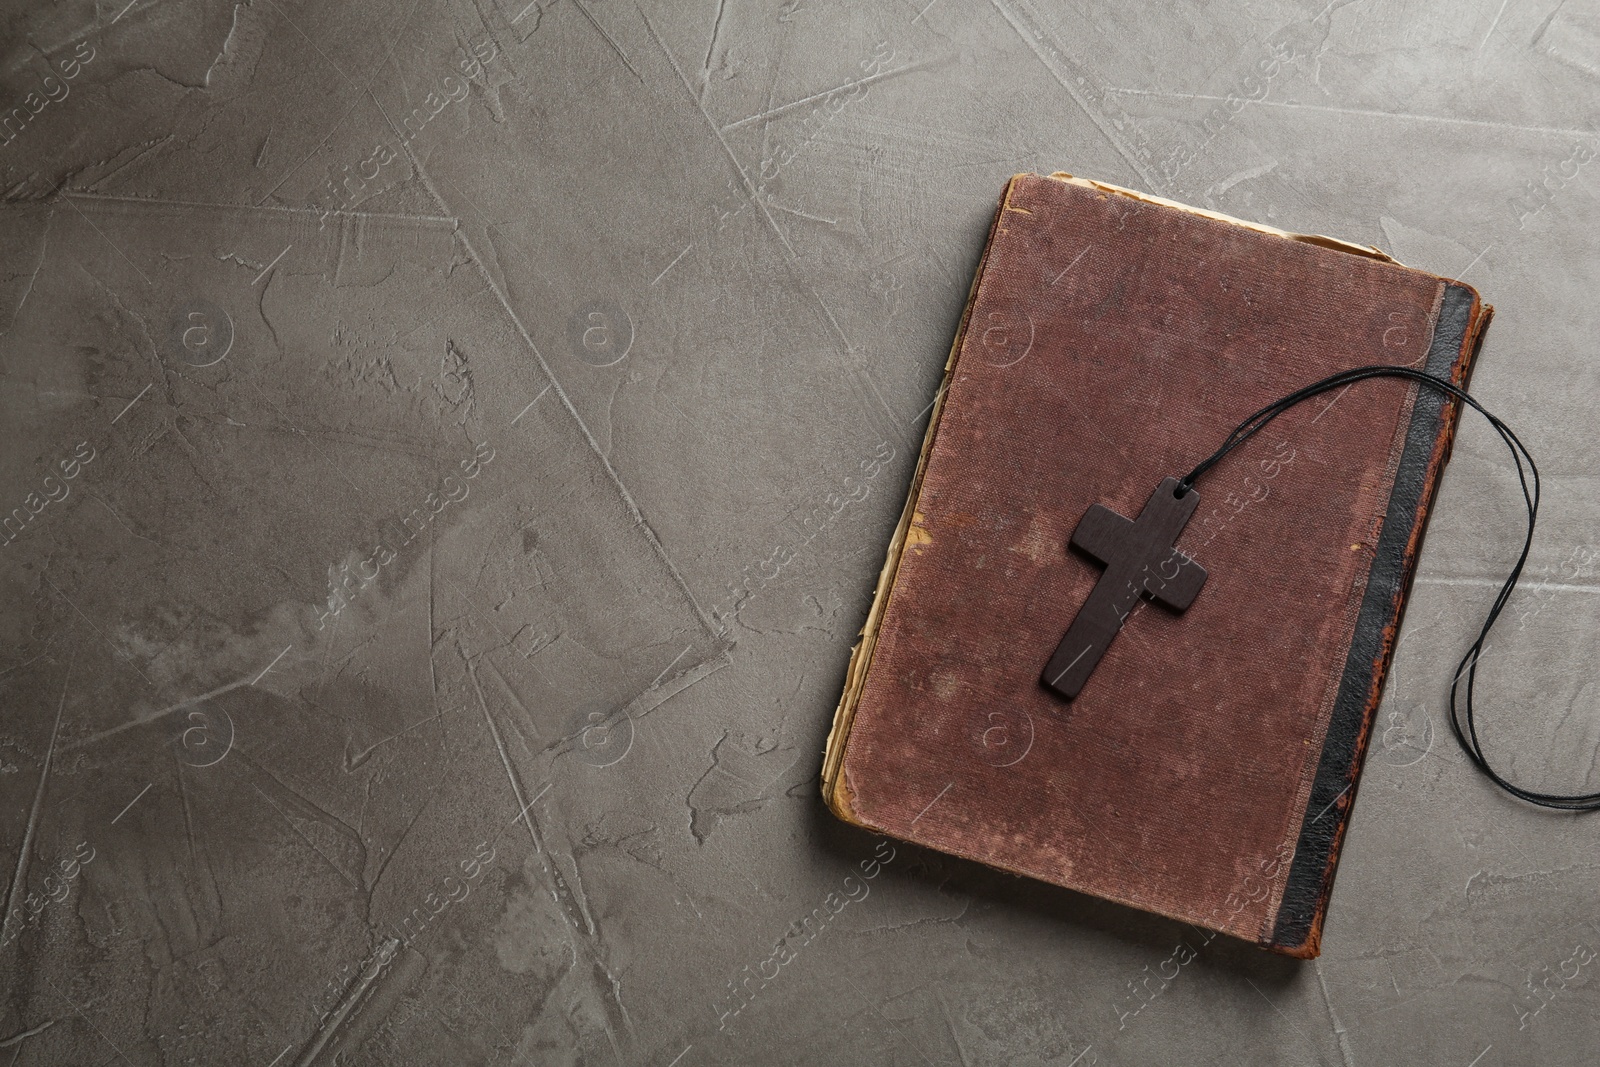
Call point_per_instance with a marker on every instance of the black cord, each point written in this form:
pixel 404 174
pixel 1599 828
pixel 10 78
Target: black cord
pixel 1468 667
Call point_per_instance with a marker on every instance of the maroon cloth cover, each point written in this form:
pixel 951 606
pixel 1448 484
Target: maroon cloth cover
pixel 1207 769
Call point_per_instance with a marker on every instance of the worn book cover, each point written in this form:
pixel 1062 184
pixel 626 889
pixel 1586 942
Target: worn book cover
pixel 1207 769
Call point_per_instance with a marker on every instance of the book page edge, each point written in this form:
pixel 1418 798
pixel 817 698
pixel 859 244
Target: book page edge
pixel 835 787
pixel 1333 243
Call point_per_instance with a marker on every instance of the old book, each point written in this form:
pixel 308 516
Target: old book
pixel 1207 768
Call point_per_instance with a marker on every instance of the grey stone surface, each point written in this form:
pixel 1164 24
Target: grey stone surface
pixel 472 430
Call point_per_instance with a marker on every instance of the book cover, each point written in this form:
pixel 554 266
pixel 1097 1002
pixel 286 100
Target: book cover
pixel 1206 771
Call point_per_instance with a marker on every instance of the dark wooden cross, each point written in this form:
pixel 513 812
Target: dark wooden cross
pixel 1140 561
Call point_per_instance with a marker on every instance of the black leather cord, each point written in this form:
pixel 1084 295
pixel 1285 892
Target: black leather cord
pixel 1461 710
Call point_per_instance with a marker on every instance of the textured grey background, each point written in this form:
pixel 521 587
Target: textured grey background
pixel 682 276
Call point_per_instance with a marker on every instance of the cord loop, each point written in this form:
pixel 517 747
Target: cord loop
pixel 1461 710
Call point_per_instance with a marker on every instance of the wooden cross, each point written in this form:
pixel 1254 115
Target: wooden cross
pixel 1140 560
